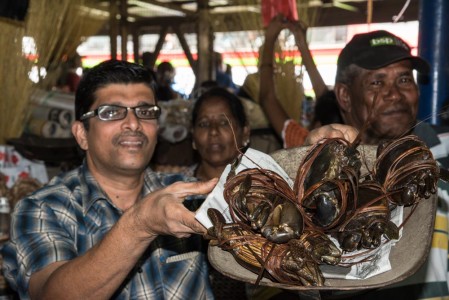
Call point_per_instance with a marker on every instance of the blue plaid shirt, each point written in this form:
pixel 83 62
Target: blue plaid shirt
pixel 71 214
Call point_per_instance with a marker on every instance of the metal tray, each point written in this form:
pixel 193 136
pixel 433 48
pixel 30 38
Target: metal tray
pixel 406 256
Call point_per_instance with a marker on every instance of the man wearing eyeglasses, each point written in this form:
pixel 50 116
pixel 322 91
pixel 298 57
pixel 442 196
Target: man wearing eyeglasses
pixel 110 229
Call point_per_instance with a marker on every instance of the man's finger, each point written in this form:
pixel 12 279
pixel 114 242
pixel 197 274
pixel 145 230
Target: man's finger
pixel 184 189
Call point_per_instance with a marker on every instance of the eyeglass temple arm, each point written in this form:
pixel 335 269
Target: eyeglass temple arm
pixel 88 115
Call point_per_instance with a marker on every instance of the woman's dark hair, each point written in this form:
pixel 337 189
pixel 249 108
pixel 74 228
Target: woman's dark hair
pixel 108 72
pixel 234 103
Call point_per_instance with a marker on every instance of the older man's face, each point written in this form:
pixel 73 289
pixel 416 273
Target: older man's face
pixel 388 98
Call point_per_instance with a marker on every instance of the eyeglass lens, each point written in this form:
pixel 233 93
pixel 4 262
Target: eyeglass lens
pixel 114 112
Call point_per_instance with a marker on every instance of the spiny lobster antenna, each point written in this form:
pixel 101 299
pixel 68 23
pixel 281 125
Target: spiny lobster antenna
pixel 358 139
pixel 241 154
pixel 369 120
pixel 233 135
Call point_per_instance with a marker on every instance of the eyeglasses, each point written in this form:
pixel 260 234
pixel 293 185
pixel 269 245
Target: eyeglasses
pixel 117 112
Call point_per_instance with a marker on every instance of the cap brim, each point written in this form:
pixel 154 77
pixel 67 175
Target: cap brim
pixel 420 65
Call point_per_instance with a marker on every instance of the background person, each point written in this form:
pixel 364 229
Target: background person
pixel 148 61
pixel 165 75
pixel 268 98
pixel 109 229
pixel 222 77
pixel 219 131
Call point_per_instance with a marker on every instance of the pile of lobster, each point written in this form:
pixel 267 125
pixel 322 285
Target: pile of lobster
pixel 283 233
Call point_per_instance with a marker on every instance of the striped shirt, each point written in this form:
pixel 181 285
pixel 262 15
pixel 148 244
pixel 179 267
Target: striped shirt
pixel 71 214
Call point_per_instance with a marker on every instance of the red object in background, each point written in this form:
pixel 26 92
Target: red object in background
pixel 271 8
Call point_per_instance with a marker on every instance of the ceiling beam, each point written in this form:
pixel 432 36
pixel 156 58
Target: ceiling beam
pixel 169 5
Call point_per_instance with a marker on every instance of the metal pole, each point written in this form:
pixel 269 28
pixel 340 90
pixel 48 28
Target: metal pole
pixel 434 47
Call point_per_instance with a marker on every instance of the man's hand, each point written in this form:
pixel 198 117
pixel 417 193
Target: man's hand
pixel 346 132
pixel 162 212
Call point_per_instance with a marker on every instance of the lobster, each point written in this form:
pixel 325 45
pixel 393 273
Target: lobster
pixel 326 182
pixel 407 170
pixel 334 200
pixel 295 262
pixel 404 172
pixel 264 201
pixel 369 222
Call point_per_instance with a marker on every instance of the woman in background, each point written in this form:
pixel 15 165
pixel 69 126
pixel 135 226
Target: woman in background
pixel 219 131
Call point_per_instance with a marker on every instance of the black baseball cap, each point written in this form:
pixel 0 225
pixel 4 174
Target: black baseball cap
pixel 377 49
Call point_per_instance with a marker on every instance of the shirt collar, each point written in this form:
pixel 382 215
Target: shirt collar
pixel 91 191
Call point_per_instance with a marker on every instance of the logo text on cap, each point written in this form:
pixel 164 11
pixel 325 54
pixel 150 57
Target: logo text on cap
pixel 386 41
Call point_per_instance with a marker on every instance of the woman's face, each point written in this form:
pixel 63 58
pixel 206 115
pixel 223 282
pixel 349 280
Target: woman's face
pixel 216 133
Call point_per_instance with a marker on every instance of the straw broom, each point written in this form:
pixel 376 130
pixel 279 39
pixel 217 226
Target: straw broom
pixel 15 85
pixel 56 27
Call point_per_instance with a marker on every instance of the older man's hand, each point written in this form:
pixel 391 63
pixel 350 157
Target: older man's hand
pixel 331 131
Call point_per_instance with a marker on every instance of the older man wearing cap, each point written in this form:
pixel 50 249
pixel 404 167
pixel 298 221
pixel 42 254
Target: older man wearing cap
pixel 375 87
pixel 375 84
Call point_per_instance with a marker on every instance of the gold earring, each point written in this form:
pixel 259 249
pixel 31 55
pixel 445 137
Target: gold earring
pixel 193 146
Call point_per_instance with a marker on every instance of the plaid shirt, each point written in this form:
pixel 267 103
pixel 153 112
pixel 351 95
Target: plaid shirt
pixel 71 214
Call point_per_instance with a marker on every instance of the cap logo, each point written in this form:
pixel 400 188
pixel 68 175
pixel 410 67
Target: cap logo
pixel 388 41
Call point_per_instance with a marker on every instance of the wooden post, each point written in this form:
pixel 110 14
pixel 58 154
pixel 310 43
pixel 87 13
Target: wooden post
pixel 124 27
pixel 113 30
pixel 135 34
pixel 160 43
pixel 186 48
pixel 204 32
